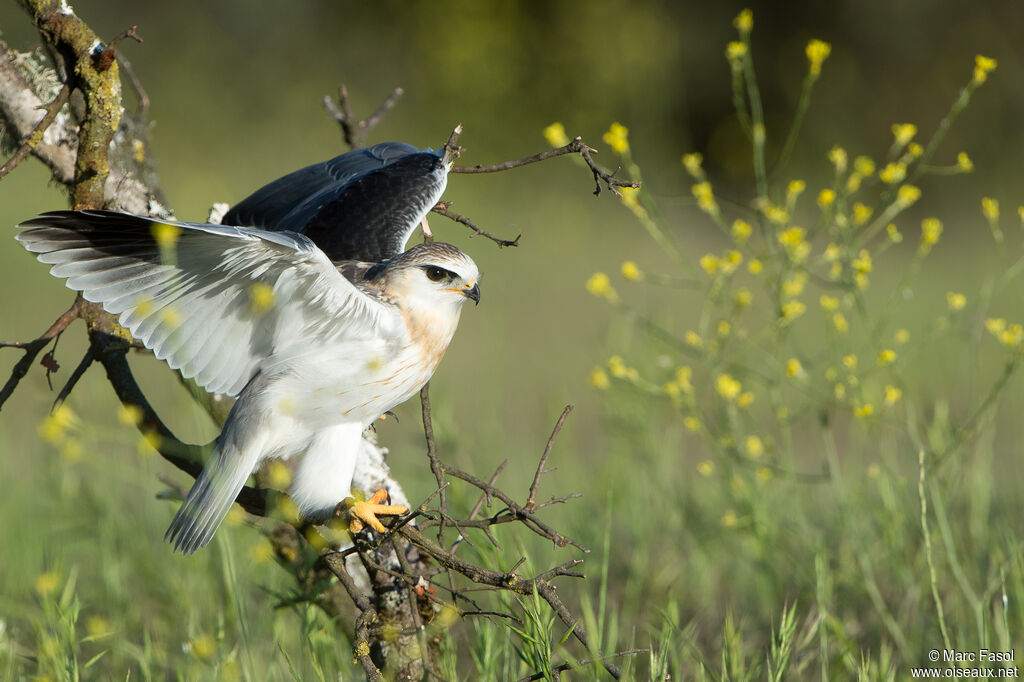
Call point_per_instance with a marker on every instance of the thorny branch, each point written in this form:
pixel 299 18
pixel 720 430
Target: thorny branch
pixel 403 557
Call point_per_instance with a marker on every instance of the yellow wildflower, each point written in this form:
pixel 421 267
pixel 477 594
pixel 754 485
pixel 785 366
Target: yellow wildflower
pixel 598 379
pixel 955 300
pixel 705 197
pixel 794 370
pixel 931 230
pixel 261 552
pixel 794 285
pixel 724 327
pixel 617 367
pixel 906 195
pixel 631 271
pixel 792 238
pixel 55 425
pixel 693 339
pixel 129 415
pixel 828 303
pixel 995 325
pixel 744 21
pixel 775 214
pixel 730 261
pixel 764 474
pixel 555 135
pixel 755 266
pixel 817 52
pixel 692 163
pixel 692 424
pixel 853 182
pixel 861 213
pixel 831 252
pixel 735 51
pixel 903 133
pixel 203 647
pixel 964 163
pixel 728 387
pixel 47 583
pixel 279 476
pixel 706 468
pixel 599 285
pixel 740 231
pixel 840 323
pixel 901 336
pixel 729 519
pixel 710 263
pixel 754 447
pixel 892 395
pixel 826 197
pixel 1012 335
pixel 990 208
pixel 792 310
pixel 886 356
pixel 837 155
pixel 683 376
pixel 742 297
pixel 617 138
pixel 864 166
pixel 850 362
pixel 862 263
pixel 864 411
pixel 165 234
pixel 893 173
pixel 840 391
pixel 795 189
pixel 982 66
pixel 261 297
pixel 915 150
pixel 894 234
pixel 745 399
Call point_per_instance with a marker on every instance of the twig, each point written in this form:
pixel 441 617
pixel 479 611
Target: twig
pixel 435 463
pixel 532 499
pixel 442 208
pixel 105 58
pixel 576 146
pixel 353 130
pixel 526 517
pixel 367 614
pixel 72 381
pixel 133 79
pixel 32 348
pixel 36 135
pixel 383 110
pixel 479 503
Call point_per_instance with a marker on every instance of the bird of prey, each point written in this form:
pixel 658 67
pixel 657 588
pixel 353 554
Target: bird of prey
pixel 314 348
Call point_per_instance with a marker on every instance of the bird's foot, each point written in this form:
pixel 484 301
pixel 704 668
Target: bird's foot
pixel 364 512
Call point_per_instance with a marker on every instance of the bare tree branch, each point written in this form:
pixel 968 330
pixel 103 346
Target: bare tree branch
pixel 576 146
pixel 532 499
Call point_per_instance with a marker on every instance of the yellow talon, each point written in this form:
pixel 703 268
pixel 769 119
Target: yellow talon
pixel 365 512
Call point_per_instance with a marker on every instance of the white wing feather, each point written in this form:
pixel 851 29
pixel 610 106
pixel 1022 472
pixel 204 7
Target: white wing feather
pixel 198 311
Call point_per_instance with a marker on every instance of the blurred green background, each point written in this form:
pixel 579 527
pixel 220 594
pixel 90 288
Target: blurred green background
pixel 236 87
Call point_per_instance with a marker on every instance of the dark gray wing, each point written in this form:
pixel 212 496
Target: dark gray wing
pixel 362 205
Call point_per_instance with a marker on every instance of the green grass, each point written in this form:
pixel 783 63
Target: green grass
pixel 841 544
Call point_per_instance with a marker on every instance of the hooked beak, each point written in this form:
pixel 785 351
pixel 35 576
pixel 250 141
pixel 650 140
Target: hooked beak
pixel 473 293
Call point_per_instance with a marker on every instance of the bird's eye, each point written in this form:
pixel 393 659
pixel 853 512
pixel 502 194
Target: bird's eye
pixel 436 274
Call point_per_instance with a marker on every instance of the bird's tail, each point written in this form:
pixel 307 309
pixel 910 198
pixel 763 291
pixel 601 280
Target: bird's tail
pixel 209 500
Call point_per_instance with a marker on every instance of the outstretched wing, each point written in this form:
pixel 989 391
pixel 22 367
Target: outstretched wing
pixel 214 302
pixel 362 205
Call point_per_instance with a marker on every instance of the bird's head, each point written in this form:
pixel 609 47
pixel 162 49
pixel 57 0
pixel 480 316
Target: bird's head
pixel 431 277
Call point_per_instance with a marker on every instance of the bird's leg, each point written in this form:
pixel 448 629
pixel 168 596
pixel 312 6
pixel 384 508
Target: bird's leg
pixel 426 228
pixel 362 512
